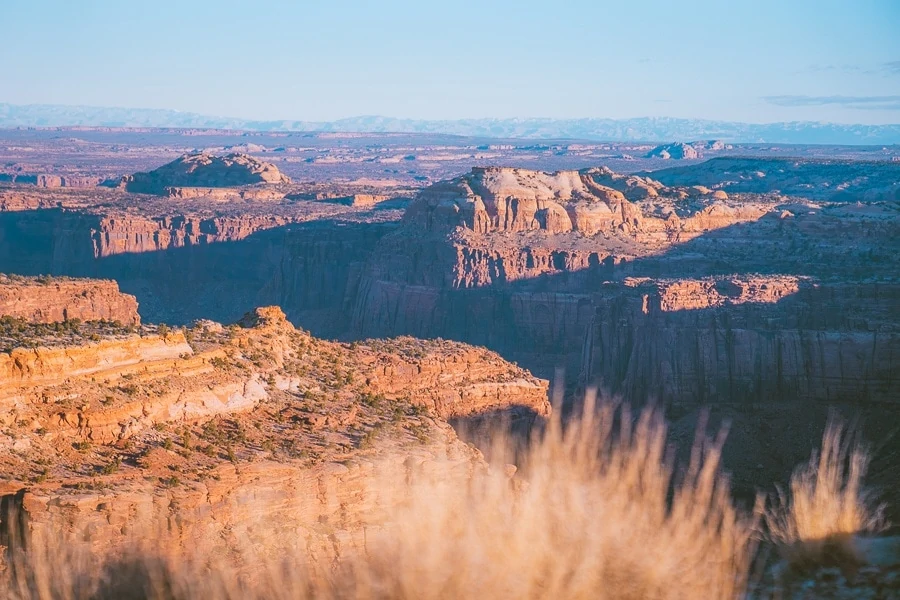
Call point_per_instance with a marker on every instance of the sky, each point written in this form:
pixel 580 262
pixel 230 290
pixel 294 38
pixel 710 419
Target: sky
pixel 754 61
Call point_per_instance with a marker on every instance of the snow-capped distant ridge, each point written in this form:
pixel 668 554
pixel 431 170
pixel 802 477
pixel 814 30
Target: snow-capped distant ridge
pixel 649 129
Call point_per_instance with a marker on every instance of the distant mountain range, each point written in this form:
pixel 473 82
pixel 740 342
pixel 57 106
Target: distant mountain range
pixel 620 130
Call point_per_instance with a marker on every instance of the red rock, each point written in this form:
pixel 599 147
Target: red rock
pixel 61 299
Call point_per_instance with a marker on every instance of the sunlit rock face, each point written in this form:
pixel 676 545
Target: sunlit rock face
pixel 278 435
pixel 513 200
pixel 202 170
pixel 53 300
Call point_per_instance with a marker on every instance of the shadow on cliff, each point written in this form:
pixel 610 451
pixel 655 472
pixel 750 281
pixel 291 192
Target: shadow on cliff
pixel 310 269
pixel 541 321
pixel 315 271
pixel 772 371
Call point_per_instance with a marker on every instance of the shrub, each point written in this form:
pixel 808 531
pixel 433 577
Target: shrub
pixel 112 467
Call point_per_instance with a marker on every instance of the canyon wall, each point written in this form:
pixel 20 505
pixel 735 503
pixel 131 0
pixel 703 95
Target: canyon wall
pixel 287 441
pixel 182 268
pixel 55 300
pixel 804 342
pixel 317 512
pixel 515 260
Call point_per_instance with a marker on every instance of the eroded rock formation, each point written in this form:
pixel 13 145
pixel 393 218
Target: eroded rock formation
pixel 203 170
pixel 745 340
pixel 49 300
pixel 507 257
pixel 67 181
pixel 276 433
pixel 677 151
pixel 180 265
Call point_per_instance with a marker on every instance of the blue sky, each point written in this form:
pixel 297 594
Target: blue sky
pixel 755 61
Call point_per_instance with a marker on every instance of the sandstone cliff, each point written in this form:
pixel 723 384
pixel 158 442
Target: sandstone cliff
pixel 512 200
pixel 507 257
pixel 277 434
pixel 180 266
pixel 745 340
pixel 67 181
pixel 51 300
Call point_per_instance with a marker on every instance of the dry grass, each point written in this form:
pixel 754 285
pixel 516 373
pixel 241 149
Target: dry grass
pixel 595 514
pixel 827 505
pixel 594 520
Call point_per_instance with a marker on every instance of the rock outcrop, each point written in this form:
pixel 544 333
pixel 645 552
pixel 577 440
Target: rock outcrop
pixel 676 151
pixel 203 170
pixel 53 299
pixel 280 435
pixel 712 145
pixel 505 257
pixel 253 194
pixel 491 200
pixel 67 181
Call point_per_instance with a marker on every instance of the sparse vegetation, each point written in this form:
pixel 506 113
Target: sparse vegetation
pixel 16 332
pixel 559 536
pixel 595 513
pixel 112 467
pixel 218 362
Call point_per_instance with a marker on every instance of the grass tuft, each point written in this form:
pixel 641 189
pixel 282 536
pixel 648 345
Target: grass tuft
pixel 595 511
pixel 816 523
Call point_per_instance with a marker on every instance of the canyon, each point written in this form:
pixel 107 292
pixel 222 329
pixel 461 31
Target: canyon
pixel 521 261
pixel 752 291
pixel 767 310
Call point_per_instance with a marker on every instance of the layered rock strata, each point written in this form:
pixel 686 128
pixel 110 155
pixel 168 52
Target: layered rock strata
pixel 181 266
pixel 745 341
pixel 49 300
pixel 276 435
pixel 506 257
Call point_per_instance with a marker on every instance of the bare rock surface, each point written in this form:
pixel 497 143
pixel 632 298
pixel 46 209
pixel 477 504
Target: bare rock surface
pixel 526 244
pixel 52 300
pixel 272 431
pixel 676 151
pixel 687 291
pixel 203 170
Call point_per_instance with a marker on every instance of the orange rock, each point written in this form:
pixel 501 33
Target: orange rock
pixel 61 299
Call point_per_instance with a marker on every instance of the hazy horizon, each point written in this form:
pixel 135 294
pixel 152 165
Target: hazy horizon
pixel 400 117
pixel 762 63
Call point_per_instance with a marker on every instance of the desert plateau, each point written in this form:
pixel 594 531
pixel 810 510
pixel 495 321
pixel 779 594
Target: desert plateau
pixel 609 310
pixel 213 352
